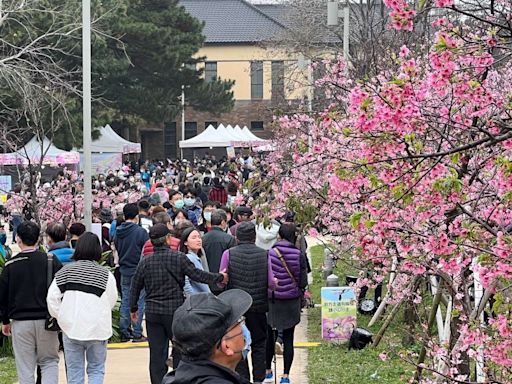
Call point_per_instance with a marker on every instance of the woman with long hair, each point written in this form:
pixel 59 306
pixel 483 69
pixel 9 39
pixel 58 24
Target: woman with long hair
pixel 81 298
pixel 192 245
pixel 290 271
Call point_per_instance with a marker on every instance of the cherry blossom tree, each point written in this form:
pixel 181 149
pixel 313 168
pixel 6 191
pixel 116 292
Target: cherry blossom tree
pixel 411 170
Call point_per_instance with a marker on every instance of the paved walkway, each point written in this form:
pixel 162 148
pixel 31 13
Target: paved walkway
pixel 128 363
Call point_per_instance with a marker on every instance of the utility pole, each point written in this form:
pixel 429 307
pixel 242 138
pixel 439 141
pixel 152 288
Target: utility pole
pixel 304 63
pixel 182 117
pixel 86 67
pixel 333 14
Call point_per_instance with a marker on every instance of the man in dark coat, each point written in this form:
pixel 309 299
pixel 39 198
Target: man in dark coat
pixel 211 335
pixel 249 269
pixel 216 242
pixel 129 241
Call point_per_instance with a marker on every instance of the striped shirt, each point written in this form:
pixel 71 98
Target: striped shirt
pixel 84 276
pixel 81 298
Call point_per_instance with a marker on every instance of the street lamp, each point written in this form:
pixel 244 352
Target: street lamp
pixel 333 13
pixel 86 78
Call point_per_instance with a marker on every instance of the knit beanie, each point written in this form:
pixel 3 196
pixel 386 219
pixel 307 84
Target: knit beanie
pixel 246 232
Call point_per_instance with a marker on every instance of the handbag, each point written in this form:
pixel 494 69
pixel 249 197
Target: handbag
pixel 306 300
pixel 51 322
pixel 283 261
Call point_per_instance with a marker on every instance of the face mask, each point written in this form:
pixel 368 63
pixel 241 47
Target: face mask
pixel 208 216
pixel 247 336
pixel 189 201
pixel 179 203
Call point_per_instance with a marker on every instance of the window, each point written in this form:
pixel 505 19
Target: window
pixel 170 140
pixel 319 97
pixel 257 80
pixel 208 123
pixel 190 129
pixel 277 80
pixel 210 71
pixel 257 126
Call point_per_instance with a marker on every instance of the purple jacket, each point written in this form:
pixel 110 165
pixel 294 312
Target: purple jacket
pixel 286 287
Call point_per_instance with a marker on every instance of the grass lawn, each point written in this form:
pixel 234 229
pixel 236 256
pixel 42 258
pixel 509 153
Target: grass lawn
pixel 7 370
pixel 331 363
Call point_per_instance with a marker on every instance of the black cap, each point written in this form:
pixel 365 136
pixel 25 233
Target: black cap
pixel 158 230
pixel 106 215
pixel 204 318
pixel 243 210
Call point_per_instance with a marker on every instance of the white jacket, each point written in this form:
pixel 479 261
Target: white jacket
pixel 81 298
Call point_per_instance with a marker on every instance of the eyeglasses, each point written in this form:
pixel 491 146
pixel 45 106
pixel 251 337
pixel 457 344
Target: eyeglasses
pixel 240 321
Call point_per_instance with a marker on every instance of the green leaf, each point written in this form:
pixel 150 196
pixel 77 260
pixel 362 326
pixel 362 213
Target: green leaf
pixel 398 82
pixel 455 158
pixel 369 223
pixel 355 219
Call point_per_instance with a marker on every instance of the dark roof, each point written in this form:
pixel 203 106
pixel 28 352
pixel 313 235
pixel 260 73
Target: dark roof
pixel 233 21
pixel 278 12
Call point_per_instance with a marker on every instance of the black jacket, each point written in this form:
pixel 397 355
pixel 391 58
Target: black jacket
pixel 202 372
pixel 215 243
pixel 248 271
pixel 162 275
pixel 129 241
pixel 24 286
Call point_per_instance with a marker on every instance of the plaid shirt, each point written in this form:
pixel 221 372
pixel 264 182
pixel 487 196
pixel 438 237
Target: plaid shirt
pixel 164 293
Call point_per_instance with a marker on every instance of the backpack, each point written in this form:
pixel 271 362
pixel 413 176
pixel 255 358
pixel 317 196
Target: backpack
pixel 8 252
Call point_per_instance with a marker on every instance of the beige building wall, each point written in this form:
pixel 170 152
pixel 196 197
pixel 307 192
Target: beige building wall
pixel 234 63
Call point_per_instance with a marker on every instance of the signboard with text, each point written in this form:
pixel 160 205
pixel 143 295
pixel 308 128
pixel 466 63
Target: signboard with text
pixel 339 309
pixel 231 152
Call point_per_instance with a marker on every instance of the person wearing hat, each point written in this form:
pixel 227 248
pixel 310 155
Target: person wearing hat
pixel 106 221
pixel 211 334
pixel 162 276
pixel 249 269
pixel 145 220
pixel 242 214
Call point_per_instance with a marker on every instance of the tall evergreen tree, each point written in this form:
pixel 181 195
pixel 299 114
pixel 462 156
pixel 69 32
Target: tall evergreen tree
pixel 141 56
pixel 159 37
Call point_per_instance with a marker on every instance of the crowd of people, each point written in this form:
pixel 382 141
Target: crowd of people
pixel 189 255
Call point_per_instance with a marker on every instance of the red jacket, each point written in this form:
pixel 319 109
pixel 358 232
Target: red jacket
pixel 148 247
pixel 218 193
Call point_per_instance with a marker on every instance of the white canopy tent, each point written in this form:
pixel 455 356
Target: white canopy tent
pixel 128 146
pixel 249 139
pixel 110 142
pixel 36 149
pixel 224 136
pixel 210 137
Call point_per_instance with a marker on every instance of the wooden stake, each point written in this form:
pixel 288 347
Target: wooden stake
pixel 431 319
